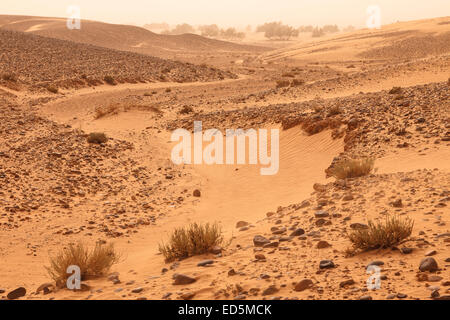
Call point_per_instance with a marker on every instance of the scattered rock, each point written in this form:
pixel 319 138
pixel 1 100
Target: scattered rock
pixel 326 264
pixel 428 264
pixel 323 244
pixel 241 224
pixel 46 288
pixel 346 283
pixel 297 232
pixel 406 250
pixel 359 226
pixel 187 296
pixel 270 290
pixel 303 285
pixel 182 279
pixel 17 293
pixel 260 241
pixel 205 263
pixel 321 214
pixel 137 290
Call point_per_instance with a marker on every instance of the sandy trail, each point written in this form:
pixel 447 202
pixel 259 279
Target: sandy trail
pixel 230 193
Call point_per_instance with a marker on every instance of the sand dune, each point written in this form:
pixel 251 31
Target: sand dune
pixel 404 40
pixel 121 37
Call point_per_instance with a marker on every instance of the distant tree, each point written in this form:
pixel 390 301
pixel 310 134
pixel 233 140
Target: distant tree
pixel 180 29
pixel 210 30
pixel 277 30
pixel 317 32
pixel 231 33
pixel 304 29
pixel 330 28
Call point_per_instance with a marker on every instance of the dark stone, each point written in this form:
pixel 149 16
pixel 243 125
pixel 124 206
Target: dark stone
pixel 204 263
pixel 260 241
pixel 17 293
pixel 326 264
pixel 428 264
pixel 182 279
pixel 297 232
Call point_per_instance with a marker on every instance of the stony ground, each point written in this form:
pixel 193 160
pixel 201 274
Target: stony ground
pixel 42 62
pixel 57 188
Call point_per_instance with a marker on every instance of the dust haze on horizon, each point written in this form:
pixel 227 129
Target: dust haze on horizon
pixel 233 12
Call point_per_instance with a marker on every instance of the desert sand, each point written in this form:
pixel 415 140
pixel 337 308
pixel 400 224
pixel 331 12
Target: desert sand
pixel 57 189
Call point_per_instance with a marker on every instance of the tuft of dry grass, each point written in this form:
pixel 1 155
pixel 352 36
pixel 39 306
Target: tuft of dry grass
pixel 110 80
pixel 334 111
pixel 312 126
pixel 9 77
pixel 192 240
pixel 116 108
pixel 396 90
pixel 97 138
pixel 352 168
pixel 92 263
pixel 297 82
pixel 186 110
pixel 52 89
pixel 282 84
pixel 383 234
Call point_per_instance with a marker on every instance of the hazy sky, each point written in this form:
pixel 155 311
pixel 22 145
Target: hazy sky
pixel 232 12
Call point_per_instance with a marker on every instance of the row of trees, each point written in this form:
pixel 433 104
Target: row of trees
pixel 272 30
pixel 212 31
pixel 277 30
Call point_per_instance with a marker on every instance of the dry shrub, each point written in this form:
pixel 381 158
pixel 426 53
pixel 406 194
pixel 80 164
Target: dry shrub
pixel 116 108
pixel 288 123
pixel 312 126
pixel 282 84
pixel 52 89
pixel 352 168
pixel 103 111
pixel 297 82
pixel 97 138
pixel 396 90
pixel 192 240
pixel 186 110
pixel 288 75
pixel 9 77
pixel 334 110
pixel 110 80
pixel 92 263
pixel 382 235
